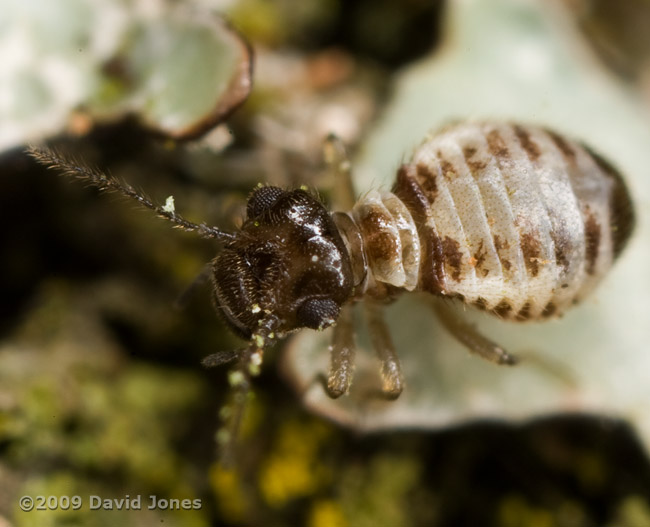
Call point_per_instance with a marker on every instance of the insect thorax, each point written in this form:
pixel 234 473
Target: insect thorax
pixel 383 243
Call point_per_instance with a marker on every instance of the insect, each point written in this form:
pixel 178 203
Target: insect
pixel 516 220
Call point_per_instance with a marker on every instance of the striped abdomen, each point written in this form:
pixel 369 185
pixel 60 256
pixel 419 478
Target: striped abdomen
pixel 514 219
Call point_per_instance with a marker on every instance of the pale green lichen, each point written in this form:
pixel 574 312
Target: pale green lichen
pixel 170 64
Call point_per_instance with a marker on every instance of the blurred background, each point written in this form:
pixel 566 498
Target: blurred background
pixel 101 388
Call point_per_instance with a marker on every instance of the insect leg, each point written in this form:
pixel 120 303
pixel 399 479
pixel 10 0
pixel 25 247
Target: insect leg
pixel 339 166
pixel 470 337
pixel 342 355
pixel 232 413
pixel 391 371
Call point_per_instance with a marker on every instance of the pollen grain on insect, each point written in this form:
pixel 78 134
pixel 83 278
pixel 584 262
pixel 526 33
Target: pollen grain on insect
pixel 223 436
pixel 235 378
pixel 225 412
pixel 254 366
pixel 169 205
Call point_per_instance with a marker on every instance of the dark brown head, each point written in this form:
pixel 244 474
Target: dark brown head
pixel 286 269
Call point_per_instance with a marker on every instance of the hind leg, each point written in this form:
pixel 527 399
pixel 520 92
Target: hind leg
pixel 471 338
pixel 391 370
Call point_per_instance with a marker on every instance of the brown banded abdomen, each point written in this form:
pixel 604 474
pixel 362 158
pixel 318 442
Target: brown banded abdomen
pixel 514 219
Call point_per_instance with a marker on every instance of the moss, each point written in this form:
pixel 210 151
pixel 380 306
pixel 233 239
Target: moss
pixel 260 20
pixel 79 418
pixel 228 491
pixel 326 513
pixel 378 495
pixel 293 468
pixel 591 468
pixel 95 504
pixel 515 511
pixel 634 511
pixel 277 23
pixel 53 512
pixel 126 423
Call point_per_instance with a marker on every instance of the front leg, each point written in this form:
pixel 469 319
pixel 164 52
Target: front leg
pixel 342 354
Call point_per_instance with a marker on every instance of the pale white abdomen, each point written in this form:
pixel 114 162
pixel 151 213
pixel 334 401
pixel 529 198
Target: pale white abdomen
pixel 514 219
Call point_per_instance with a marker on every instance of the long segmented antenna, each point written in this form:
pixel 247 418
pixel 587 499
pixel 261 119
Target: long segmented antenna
pixel 72 167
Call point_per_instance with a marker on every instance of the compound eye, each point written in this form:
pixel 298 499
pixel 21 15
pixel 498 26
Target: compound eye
pixel 261 199
pixel 318 313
